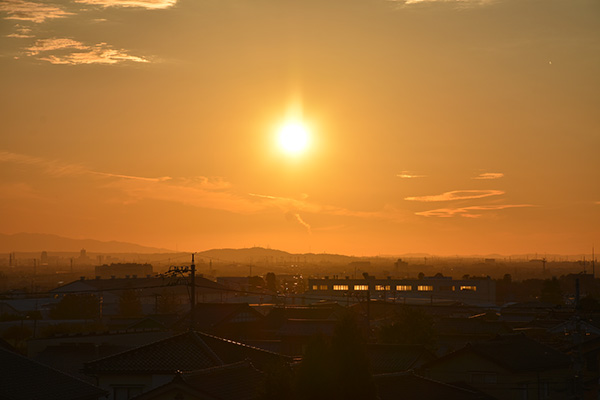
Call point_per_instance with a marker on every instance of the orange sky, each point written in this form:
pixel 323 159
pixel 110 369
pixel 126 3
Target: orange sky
pixel 447 127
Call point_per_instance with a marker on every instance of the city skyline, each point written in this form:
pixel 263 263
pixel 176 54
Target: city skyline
pixel 440 127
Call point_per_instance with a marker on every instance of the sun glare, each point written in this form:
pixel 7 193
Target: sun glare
pixel 293 137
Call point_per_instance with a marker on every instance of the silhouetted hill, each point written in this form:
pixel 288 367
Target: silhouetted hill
pixel 262 255
pixel 34 242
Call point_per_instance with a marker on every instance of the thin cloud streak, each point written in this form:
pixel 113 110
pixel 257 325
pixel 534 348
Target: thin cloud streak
pixel 462 2
pixel 201 192
pixel 22 10
pixel 297 218
pixel 489 175
pixel 148 4
pixel 409 175
pixel 466 211
pixel 287 204
pixel 74 52
pixel 457 195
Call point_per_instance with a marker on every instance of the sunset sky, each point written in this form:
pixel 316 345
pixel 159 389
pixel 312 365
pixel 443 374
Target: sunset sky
pixel 443 126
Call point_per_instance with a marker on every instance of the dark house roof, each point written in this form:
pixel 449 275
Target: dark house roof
pixel 238 381
pixel 188 351
pixel 25 379
pixel 515 352
pixel 411 386
pixel 202 284
pixel 388 358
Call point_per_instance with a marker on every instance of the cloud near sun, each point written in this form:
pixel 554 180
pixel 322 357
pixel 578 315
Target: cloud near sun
pixel 467 212
pixel 66 50
pixel 457 195
pixel 31 11
pixel 489 175
pixel 201 192
pixel 149 4
pixel 74 52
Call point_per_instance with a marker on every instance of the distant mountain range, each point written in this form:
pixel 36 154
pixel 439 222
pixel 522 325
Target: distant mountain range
pixel 35 242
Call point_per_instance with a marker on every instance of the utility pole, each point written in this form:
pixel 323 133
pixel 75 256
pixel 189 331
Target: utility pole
pixel 193 292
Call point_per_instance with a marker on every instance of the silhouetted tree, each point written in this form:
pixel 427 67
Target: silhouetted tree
pixel 551 292
pixel 338 370
pixel 130 304
pixel 271 281
pixel 410 326
pixel 168 303
pixel 351 363
pixel 315 376
pixel 76 306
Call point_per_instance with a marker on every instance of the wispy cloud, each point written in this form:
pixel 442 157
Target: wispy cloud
pixel 201 192
pixel 457 195
pixel 139 178
pixel 294 205
pixel 148 4
pixel 409 175
pixel 31 11
pixel 21 32
pixel 489 175
pixel 297 218
pixel 74 52
pixel 467 212
pixel 462 2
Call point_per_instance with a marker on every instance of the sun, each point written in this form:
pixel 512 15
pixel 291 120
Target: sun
pixel 293 137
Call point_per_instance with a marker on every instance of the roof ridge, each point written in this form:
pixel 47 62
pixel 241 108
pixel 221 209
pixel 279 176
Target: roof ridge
pixel 206 347
pixel 133 350
pixel 224 367
pixel 240 343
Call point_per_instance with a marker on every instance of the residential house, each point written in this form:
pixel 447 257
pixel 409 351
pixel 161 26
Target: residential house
pixel 237 381
pixel 142 369
pixel 510 366
pixel 25 379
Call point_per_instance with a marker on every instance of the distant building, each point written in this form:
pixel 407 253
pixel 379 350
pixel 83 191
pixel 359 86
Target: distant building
pixel 465 290
pixel 44 258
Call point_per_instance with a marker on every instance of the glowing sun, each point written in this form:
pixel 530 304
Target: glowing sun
pixel 293 137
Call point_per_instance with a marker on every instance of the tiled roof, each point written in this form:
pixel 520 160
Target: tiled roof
pixel 238 381
pixel 25 379
pixel 411 386
pixel 516 352
pixel 184 352
pixel 387 358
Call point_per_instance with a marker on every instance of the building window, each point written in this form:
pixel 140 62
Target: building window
pixel 323 287
pixel 315 287
pixel 340 287
pixel 447 288
pixel 425 288
pixel 361 287
pixel 471 288
pixel 382 288
pixel 404 288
